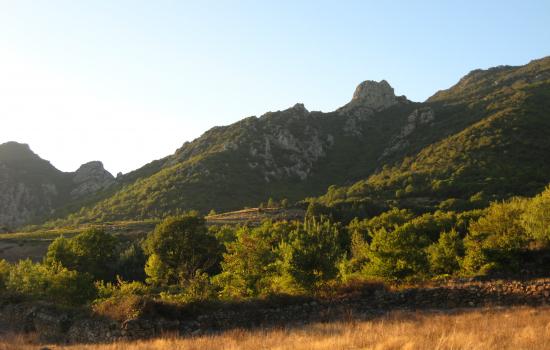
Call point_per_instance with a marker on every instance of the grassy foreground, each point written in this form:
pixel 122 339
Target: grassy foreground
pixel 513 328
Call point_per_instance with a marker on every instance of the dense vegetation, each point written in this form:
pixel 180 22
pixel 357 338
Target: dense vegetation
pixel 182 260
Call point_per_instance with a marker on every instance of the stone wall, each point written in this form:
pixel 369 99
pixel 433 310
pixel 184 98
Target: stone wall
pixel 54 324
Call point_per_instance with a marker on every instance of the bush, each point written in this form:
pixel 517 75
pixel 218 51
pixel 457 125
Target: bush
pixel 121 300
pixel 50 282
pixel 198 288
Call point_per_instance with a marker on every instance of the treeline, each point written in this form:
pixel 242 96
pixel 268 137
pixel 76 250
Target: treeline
pixel 183 260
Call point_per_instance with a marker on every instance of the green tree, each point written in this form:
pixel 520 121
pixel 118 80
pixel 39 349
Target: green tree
pixel 445 255
pixel 536 217
pixel 131 262
pixel 178 247
pixel 397 254
pixel 250 264
pixel 312 253
pixel 494 240
pixel 92 251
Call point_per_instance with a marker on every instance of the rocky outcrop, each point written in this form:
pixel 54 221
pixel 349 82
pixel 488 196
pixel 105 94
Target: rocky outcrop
pixel 371 96
pixel 420 118
pixel 91 177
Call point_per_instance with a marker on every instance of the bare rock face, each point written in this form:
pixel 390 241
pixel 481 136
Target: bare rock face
pixel 91 177
pixel 371 96
pixel 418 119
pixel 376 95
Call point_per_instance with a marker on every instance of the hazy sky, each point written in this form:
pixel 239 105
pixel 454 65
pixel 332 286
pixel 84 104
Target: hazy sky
pixel 126 82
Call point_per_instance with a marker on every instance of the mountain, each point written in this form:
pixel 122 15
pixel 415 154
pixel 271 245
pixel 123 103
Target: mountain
pixel 484 138
pixel 489 140
pixel 31 188
pixel 285 154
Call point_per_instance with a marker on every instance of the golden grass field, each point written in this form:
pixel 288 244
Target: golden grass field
pixel 513 328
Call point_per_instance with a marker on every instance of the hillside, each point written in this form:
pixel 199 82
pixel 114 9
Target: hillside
pixel 503 150
pixel 285 154
pixel 31 188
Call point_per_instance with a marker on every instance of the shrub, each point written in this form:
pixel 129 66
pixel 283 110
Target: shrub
pixel 121 300
pixel 198 288
pixel 50 282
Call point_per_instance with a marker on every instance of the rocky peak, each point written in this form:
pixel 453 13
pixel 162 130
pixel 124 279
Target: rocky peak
pixel 91 177
pixel 371 96
pixel 300 108
pixel 15 151
pixel 376 95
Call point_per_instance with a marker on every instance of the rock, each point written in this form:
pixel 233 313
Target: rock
pixel 371 95
pixel 419 118
pixel 376 95
pixel 91 177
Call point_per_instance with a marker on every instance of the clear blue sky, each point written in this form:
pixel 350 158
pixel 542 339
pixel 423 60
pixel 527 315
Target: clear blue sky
pixel 127 82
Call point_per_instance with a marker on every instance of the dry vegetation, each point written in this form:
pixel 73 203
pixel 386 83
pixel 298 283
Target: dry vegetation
pixel 516 328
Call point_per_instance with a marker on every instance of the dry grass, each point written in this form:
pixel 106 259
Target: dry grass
pixel 516 328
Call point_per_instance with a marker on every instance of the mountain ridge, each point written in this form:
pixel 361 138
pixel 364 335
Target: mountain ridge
pixel 296 153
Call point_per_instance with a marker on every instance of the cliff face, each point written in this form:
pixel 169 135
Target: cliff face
pixel 31 188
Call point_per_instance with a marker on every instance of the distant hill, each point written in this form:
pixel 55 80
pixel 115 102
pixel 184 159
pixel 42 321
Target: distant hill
pixel 484 138
pixel 31 188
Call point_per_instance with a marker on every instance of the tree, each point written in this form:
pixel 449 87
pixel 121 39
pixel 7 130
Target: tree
pixel 178 247
pixel 92 251
pixel 250 262
pixel 312 253
pixel 131 262
pixel 494 239
pixel 397 254
pixel 536 217
pixel 445 255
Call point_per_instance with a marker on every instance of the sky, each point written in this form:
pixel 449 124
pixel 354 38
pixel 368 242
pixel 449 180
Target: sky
pixel 127 82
